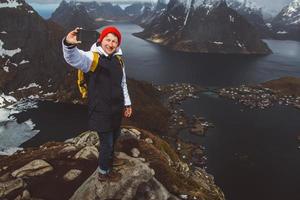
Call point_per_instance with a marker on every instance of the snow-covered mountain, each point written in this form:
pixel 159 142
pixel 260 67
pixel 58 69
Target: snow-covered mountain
pixel 89 15
pixel 286 24
pixel 246 5
pixel 290 14
pixel 203 26
pixel 106 11
pixel 149 12
pixel 71 15
pixel 253 13
pixel 134 9
pixel 31 64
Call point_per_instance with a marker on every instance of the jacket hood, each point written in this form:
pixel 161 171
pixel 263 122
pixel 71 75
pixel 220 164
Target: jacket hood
pixel 99 50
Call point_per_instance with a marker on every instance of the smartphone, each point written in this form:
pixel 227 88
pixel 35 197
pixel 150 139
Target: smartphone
pixel 84 35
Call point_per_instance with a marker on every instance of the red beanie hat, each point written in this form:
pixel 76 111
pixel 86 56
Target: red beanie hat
pixel 110 29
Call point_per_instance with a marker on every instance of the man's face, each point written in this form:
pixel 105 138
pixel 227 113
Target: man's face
pixel 109 43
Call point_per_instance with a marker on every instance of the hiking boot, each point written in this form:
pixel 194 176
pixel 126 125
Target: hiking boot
pixel 118 161
pixel 112 176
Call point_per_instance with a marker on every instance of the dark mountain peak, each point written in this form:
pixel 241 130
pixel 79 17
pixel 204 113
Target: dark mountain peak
pixel 17 5
pixel 63 3
pixel 222 3
pixel 253 14
pixel 103 11
pixel 197 26
pixel 134 9
pixel 71 15
pixel 32 61
pixel 286 24
pixel 161 4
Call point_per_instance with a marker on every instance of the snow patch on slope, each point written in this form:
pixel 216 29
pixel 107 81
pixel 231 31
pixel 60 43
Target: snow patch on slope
pixel 10 53
pixel 10 4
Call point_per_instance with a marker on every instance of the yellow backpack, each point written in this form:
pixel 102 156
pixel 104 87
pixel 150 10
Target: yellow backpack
pixel 82 78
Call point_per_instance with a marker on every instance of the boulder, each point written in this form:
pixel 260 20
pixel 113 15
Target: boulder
pixel 5 177
pixel 88 138
pixel 149 140
pixel 67 149
pixel 153 189
pixel 137 182
pixel 87 153
pixel 9 186
pixel 72 174
pixel 34 168
pixel 135 152
pixel 131 132
pixel 25 196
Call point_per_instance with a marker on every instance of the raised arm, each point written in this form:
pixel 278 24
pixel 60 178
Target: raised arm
pixel 74 56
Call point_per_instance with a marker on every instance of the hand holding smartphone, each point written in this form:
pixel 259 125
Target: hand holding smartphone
pixel 84 35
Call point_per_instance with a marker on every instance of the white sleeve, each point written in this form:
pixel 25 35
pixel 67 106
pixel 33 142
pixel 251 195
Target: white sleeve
pixel 127 101
pixel 78 58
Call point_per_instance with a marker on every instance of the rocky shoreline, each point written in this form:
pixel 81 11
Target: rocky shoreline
pixel 265 95
pixel 284 91
pixel 173 96
pixel 258 97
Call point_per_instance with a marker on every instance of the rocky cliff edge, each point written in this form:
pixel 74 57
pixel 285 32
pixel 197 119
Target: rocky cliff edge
pixel 67 170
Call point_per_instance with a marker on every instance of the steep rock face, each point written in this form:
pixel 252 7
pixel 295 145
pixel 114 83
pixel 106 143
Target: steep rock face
pixel 253 14
pixel 71 15
pixel 30 51
pixel 150 12
pixel 145 17
pixel 157 173
pixel 134 9
pixel 286 25
pixel 207 27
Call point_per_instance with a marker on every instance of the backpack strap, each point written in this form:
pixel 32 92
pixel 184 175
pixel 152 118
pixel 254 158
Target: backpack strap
pixel 95 61
pixel 81 77
pixel 81 83
pixel 120 59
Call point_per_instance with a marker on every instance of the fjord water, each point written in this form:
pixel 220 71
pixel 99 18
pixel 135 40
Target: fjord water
pixel 44 10
pixel 251 153
pixel 157 64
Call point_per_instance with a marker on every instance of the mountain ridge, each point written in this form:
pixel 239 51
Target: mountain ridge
pixel 208 28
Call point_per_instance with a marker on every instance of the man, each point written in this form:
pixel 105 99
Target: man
pixel 108 96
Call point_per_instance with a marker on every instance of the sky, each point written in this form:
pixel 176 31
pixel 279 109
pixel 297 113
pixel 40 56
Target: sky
pixel 268 4
pixel 273 4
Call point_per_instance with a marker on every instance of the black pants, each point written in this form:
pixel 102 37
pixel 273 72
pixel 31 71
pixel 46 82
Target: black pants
pixel 106 150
